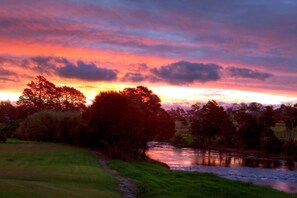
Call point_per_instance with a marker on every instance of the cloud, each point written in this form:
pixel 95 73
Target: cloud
pixel 86 71
pixel 65 68
pixel 4 72
pixel 247 73
pixel 134 77
pixel 186 72
pixel 6 75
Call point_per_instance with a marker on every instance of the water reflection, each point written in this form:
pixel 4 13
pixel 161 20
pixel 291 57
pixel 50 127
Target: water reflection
pixel 281 175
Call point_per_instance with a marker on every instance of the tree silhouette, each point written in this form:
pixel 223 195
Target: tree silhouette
pixel 7 111
pixel 116 125
pixel 210 121
pixel 42 94
pixel 70 99
pixel 158 123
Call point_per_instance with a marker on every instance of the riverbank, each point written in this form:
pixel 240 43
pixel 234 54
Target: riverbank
pixel 155 180
pixel 242 152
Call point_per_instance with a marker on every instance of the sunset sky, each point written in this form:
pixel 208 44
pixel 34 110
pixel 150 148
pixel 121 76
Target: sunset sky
pixel 185 51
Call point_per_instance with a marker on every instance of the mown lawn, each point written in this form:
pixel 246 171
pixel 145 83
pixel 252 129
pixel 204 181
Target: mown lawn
pixel 155 180
pixel 51 170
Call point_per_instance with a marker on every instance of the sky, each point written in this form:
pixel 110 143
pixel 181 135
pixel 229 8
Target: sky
pixel 185 51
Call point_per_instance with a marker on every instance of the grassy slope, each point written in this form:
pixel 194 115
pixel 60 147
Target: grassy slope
pixel 52 170
pixel 155 180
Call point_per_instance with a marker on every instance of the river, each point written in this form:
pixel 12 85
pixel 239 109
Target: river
pixel 278 174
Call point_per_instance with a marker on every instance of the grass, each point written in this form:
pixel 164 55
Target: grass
pixel 183 136
pixel 154 180
pixel 282 132
pixel 51 170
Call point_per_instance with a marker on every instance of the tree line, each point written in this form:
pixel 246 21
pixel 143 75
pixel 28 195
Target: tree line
pixel 122 122
pixel 245 126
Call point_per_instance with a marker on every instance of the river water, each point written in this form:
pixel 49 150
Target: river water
pixel 278 174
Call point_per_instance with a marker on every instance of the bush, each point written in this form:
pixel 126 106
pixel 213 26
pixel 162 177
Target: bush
pixel 272 145
pixel 52 126
pixel 290 148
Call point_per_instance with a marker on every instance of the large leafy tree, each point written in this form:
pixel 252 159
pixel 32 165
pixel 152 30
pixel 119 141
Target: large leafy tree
pixel 42 94
pixel 70 99
pixel 123 122
pixel 39 95
pixel 158 123
pixel 116 125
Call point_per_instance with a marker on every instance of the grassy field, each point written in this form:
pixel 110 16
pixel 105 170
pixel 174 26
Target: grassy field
pixel 282 132
pixel 51 170
pixel 183 136
pixel 155 180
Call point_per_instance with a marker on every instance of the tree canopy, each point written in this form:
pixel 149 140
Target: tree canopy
pixel 123 122
pixel 42 94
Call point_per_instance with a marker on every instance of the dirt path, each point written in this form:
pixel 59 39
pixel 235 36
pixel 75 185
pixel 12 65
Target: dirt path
pixel 126 187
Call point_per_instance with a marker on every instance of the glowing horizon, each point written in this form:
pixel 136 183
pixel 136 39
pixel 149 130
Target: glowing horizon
pixel 184 52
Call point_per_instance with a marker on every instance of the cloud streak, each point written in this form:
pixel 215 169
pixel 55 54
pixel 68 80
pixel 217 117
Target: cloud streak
pixel 86 71
pixel 247 73
pixel 184 72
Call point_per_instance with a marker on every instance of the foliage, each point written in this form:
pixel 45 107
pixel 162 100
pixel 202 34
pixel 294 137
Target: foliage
pixel 154 180
pixel 158 125
pixel 52 170
pixel 52 126
pixel 116 125
pixel 209 121
pixel 42 94
pixel 122 122
pixel 7 111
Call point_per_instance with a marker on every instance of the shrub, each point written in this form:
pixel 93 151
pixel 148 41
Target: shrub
pixel 52 126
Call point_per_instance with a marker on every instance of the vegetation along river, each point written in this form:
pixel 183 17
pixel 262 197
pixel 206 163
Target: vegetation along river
pixel 278 174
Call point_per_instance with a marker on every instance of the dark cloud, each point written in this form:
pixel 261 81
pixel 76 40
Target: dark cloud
pixel 247 73
pixel 6 75
pixel 4 72
pixel 42 64
pixel 134 77
pixel 185 72
pixel 68 69
pixel 86 71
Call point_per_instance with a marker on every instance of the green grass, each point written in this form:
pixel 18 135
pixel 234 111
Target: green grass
pixel 51 170
pixel 282 132
pixel 18 141
pixel 183 136
pixel 154 180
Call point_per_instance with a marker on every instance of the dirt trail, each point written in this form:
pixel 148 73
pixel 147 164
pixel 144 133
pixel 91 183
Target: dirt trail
pixel 126 187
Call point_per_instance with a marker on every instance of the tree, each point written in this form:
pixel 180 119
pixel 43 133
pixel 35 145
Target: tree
pixel 70 99
pixel 210 121
pixel 7 111
pixel 42 94
pixel 178 114
pixel 123 122
pixel 116 125
pixel 158 124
